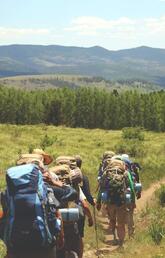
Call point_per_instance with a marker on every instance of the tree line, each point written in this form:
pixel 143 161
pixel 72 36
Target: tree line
pixel 83 107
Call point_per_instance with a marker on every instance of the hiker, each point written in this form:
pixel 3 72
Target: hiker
pixel 133 192
pixel 67 170
pixel 41 158
pixel 27 239
pixel 61 191
pixel 81 222
pixel 134 167
pixel 85 183
pixel 106 157
pixel 113 184
pixel 85 195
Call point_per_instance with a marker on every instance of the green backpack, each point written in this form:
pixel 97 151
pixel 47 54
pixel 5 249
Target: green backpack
pixel 114 182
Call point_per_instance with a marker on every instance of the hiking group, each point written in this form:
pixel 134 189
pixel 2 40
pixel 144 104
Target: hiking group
pixel 44 208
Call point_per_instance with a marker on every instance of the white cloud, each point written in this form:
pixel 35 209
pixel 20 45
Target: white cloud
pixel 94 25
pixel 155 26
pixel 22 35
pixel 17 32
pixel 29 35
pixel 119 33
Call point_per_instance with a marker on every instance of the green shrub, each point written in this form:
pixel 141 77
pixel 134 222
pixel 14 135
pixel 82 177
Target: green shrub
pixel 47 141
pixel 133 133
pixel 161 195
pixel 132 147
pixel 157 232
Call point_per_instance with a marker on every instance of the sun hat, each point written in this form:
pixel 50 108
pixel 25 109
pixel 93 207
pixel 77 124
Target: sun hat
pixel 47 158
pixel 108 154
pixel 29 158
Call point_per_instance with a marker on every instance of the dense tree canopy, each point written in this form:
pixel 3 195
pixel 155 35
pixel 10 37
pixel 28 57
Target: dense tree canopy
pixel 83 107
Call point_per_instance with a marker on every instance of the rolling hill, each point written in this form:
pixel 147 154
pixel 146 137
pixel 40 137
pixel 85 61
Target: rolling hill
pixel 47 81
pixel 141 63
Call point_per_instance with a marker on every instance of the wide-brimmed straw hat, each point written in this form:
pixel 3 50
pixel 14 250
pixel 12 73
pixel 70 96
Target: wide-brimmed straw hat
pixel 47 158
pixel 108 154
pixel 28 158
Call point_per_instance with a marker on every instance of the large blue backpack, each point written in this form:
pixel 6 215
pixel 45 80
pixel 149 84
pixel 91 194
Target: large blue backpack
pixel 30 224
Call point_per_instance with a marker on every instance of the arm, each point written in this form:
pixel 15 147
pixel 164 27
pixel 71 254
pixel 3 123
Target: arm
pixel 50 180
pixel 86 190
pixel 85 206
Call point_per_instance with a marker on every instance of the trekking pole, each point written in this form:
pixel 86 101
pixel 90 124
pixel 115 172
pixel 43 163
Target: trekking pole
pixel 95 222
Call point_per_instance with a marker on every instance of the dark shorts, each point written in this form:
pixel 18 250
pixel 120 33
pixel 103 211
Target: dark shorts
pixel 50 253
pixel 81 225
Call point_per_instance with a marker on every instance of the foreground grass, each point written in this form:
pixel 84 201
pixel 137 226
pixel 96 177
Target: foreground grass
pixel 90 144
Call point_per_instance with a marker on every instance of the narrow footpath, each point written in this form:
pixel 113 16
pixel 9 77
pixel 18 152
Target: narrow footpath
pixel 108 247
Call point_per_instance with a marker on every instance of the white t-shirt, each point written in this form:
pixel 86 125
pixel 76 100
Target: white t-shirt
pixel 81 195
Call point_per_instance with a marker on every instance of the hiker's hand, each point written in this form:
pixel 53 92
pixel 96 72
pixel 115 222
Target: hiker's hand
pixel 94 201
pixel 47 177
pixel 90 222
pixel 98 206
pixel 138 195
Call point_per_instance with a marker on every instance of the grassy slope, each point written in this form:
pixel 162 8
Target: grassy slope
pixel 57 80
pixel 90 144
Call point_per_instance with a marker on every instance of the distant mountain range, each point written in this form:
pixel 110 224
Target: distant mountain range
pixel 141 63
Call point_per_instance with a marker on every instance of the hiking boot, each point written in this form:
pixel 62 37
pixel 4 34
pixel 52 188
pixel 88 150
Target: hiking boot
pixel 120 243
pixel 114 242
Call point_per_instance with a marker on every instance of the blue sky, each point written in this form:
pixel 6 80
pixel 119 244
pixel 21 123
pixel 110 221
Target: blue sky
pixel 113 24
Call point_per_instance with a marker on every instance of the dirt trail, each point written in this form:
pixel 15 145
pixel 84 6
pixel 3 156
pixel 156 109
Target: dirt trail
pixel 141 204
pixel 147 194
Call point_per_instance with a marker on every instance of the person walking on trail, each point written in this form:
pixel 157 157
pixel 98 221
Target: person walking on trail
pixel 85 195
pixel 61 191
pixel 133 191
pixel 74 178
pixel 113 185
pixel 107 155
pixel 22 183
pixel 85 183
